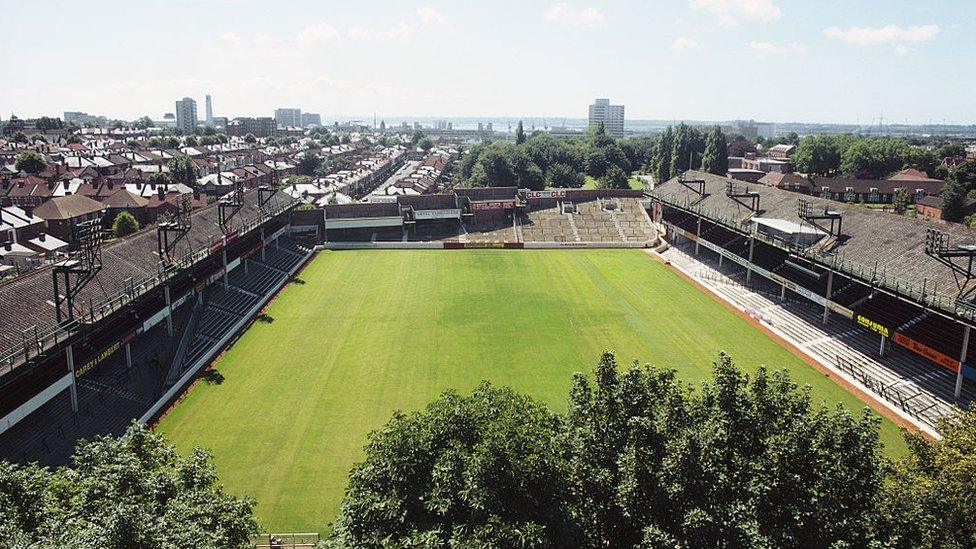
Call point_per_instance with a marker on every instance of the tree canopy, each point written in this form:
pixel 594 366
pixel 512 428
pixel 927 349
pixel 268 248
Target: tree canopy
pixel 715 159
pixel 308 163
pixel 134 491
pixel 183 170
pixel 641 460
pixel 545 160
pixel 125 224
pixel 30 161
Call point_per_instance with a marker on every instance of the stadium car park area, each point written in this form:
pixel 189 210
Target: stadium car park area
pixel 370 332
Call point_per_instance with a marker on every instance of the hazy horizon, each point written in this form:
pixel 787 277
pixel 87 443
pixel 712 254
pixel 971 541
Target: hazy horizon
pixel 779 61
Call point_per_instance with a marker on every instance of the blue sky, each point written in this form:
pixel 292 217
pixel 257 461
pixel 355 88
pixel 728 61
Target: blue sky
pixel 777 60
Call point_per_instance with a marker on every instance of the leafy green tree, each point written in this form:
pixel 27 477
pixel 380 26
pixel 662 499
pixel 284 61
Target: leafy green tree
pixel 638 460
pixel 484 470
pixel 519 134
pixel 951 149
pixel 953 199
pixel 564 176
pixel 425 144
pixel 308 163
pixel 191 141
pixel 172 142
pixel 160 178
pixel 614 178
pixel 900 199
pixel 249 138
pixel 125 224
pixel 497 167
pixel 183 170
pixel 142 123
pixel 597 163
pixel 921 159
pixel 930 498
pixel 416 137
pixel 30 161
pixel 688 145
pixel 740 146
pixel 662 164
pixel 818 154
pixel 20 137
pixel 134 491
pixel 45 123
pixel 716 157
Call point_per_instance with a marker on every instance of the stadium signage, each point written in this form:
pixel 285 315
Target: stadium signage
pixel 493 205
pixel 101 357
pixel 468 245
pixel 818 299
pixel 546 194
pixel 922 349
pixel 872 325
pixel 840 309
pixel 437 214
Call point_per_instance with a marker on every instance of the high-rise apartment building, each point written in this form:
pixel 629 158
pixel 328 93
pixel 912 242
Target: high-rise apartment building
pixel 611 116
pixel 186 115
pixel 288 118
pixel 311 119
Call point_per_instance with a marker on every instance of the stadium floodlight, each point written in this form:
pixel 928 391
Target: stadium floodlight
pixel 740 196
pixel 958 258
pixel 806 212
pixel 72 274
pixel 230 205
pixel 695 185
pixel 171 231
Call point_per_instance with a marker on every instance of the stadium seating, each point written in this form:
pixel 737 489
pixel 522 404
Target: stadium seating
pixel 887 310
pixel 912 383
pixel 500 230
pixel 849 292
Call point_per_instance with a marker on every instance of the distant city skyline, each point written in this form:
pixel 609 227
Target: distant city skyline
pixel 770 60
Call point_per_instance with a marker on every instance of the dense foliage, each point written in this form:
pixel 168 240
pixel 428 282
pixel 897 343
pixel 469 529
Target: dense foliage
pixel 183 170
pixel 124 224
pixel 30 162
pixel 129 492
pixel 641 460
pixel 864 157
pixel 541 160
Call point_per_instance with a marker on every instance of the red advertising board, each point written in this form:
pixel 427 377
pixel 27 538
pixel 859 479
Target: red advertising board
pixel 493 205
pixel 935 356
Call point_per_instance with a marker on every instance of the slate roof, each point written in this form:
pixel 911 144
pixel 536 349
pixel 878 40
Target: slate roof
pixel 890 245
pixel 25 300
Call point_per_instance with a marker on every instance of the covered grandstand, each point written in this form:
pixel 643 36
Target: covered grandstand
pixel 498 215
pixel 130 318
pixel 907 281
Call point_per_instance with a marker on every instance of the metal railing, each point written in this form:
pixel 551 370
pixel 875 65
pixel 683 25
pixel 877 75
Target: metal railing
pixel 41 342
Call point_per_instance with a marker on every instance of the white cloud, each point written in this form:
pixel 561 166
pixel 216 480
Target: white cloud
pixel 683 43
pixel 231 38
pixel 319 33
pixel 400 31
pixel 430 16
pixel 900 49
pixel 891 34
pixel 564 14
pixel 730 12
pixel 268 41
pixel 768 48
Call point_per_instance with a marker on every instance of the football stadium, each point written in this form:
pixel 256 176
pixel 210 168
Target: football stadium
pixel 280 336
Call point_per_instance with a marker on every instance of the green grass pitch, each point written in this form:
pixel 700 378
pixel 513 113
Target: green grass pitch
pixel 374 331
